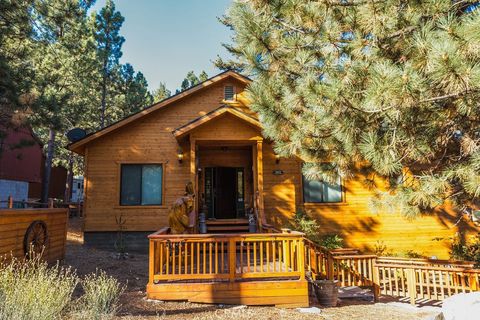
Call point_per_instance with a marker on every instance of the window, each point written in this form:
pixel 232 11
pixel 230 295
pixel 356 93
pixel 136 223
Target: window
pixel 229 93
pixel 316 191
pixel 141 184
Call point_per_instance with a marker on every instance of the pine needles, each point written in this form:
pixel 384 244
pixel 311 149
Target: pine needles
pixel 389 84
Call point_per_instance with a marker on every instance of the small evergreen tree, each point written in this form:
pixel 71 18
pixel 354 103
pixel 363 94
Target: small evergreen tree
pixel 192 80
pixel 203 76
pixel 161 93
pixel 391 84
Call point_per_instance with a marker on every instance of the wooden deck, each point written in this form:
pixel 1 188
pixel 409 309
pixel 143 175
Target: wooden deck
pixel 253 269
pixel 270 269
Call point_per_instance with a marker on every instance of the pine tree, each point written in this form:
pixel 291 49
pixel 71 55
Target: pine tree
pixel 109 47
pixel 392 85
pixel 51 73
pixel 203 76
pixel 15 84
pixel 161 93
pixel 192 80
pixel 58 43
pixel 132 92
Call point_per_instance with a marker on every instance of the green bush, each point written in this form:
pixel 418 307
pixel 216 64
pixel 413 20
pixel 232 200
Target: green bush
pixel 332 241
pixel 101 297
pixel 380 249
pixel 31 290
pixel 304 223
pixel 462 249
pixel 413 254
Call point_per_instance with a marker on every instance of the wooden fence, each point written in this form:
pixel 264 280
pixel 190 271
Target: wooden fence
pixel 399 277
pixel 45 229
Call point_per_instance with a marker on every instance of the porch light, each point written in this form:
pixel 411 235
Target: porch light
pixel 277 158
pixel 180 155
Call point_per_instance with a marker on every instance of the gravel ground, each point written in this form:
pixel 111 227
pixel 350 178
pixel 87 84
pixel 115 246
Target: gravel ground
pixel 133 273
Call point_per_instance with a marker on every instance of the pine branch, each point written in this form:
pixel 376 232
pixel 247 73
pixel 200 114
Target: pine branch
pixel 450 96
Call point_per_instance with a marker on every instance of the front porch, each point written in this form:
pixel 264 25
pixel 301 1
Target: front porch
pixel 271 269
pixel 226 166
pixel 252 269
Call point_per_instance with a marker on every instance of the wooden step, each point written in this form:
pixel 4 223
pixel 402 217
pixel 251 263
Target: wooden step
pixel 227 221
pixel 227 228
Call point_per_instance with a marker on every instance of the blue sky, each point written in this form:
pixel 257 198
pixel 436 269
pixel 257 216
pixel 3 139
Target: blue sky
pixel 164 39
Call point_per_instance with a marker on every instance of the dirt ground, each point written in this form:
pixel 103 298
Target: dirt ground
pixel 133 273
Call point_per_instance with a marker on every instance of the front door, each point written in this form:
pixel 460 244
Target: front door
pixel 224 192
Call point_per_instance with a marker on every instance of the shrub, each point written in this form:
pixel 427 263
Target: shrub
pixel 304 223
pixel 101 296
pixel 413 254
pixel 31 290
pixel 380 249
pixel 332 241
pixel 462 249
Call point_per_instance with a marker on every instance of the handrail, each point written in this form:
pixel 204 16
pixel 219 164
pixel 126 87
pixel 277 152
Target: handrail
pixel 158 235
pixel 162 231
pixel 417 261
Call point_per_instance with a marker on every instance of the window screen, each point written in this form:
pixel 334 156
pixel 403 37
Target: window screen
pixel 317 191
pixel 141 184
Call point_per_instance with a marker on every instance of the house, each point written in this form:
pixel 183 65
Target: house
pixel 20 162
pixel 22 165
pixel 136 168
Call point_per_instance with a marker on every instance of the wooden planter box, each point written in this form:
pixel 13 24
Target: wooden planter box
pixel 17 224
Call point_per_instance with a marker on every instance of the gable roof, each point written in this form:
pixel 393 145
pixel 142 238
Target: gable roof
pixel 77 145
pixel 185 129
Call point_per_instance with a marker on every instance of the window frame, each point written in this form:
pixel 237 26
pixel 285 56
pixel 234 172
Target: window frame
pixel 342 192
pixel 119 185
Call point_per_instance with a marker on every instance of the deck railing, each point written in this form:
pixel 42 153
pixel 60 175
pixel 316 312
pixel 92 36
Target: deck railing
pixel 288 255
pixel 424 279
pixel 344 265
pixel 399 277
pixel 227 257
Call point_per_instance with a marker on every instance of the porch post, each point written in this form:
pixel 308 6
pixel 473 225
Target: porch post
pixel 259 162
pixel 193 178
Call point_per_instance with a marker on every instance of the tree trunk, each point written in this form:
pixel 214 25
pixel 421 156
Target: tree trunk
pixel 104 95
pixel 48 166
pixel 68 187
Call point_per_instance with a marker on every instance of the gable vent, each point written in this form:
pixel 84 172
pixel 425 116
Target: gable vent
pixel 229 93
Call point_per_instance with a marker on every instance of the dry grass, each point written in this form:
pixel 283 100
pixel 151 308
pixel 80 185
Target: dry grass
pixel 133 273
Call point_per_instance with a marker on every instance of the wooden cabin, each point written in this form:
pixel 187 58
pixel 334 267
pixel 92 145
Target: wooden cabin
pixel 136 168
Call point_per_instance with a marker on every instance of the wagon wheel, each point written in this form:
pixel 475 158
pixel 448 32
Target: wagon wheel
pixel 35 239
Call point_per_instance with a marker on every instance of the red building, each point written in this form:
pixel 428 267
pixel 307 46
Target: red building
pixel 22 164
pixel 20 161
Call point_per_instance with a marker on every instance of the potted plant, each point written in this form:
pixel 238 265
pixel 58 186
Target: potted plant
pixel 326 292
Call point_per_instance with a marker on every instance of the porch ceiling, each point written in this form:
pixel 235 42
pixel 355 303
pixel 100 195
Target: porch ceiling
pixel 192 125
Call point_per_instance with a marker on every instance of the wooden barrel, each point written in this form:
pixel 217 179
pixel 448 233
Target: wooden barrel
pixel 327 292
